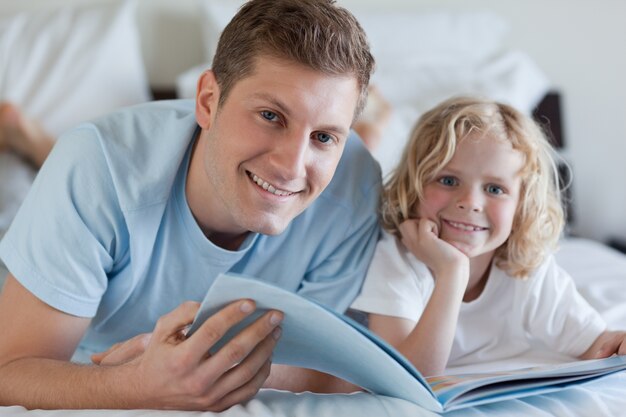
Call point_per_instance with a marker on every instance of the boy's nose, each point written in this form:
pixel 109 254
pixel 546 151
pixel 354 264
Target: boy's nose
pixel 470 201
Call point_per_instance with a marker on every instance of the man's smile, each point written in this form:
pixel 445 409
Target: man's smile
pixel 269 187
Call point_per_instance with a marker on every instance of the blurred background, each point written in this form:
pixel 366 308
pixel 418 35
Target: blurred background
pixel 578 45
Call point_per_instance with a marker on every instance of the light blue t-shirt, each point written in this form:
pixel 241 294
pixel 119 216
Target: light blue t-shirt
pixel 106 231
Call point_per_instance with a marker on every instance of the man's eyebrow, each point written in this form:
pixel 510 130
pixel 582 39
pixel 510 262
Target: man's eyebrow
pixel 338 130
pixel 274 101
pixel 285 110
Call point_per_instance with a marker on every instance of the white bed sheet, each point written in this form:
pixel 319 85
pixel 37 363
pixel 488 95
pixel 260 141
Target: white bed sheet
pixel 600 398
pixel 600 274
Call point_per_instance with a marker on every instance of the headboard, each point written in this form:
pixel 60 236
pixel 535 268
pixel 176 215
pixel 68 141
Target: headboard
pixel 548 114
pixel 161 93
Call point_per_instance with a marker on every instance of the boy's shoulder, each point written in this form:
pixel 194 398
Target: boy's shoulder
pixel 548 277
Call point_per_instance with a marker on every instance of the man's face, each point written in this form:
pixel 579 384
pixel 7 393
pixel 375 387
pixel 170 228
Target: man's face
pixel 270 149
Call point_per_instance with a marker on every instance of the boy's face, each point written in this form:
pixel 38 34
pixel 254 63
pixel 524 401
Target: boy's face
pixel 271 148
pixel 474 198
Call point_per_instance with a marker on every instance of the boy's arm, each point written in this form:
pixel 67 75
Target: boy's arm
pixel 428 344
pixel 173 372
pixel 607 344
pixel 295 379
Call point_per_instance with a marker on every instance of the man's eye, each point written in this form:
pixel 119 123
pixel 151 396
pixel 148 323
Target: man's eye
pixel 494 189
pixel 323 137
pixel 269 115
pixel 448 181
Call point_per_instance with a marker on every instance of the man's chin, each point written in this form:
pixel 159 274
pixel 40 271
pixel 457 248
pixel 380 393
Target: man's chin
pixel 270 228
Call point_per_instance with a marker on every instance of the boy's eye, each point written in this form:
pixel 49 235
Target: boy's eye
pixel 494 189
pixel 448 181
pixel 269 115
pixel 323 137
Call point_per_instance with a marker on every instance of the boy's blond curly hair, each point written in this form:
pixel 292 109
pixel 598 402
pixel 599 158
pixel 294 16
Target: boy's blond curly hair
pixel 539 216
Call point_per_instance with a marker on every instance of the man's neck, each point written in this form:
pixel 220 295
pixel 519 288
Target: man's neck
pixel 226 240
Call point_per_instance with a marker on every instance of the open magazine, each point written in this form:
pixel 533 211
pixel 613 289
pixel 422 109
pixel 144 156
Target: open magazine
pixel 317 338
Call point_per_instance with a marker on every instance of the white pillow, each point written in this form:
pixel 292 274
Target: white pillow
pixel 510 77
pixel 408 46
pixel 398 39
pixel 432 38
pixel 187 82
pixel 64 66
pixel 71 64
pixel 411 48
pixel 215 17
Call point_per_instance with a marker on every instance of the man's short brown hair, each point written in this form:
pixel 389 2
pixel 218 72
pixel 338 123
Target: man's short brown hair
pixel 314 33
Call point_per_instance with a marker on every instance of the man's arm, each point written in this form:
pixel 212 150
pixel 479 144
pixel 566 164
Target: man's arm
pixel 172 373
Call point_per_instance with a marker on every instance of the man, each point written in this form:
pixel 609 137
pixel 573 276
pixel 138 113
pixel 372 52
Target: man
pixel 138 212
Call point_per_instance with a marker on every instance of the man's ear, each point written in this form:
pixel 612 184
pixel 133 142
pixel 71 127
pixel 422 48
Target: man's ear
pixel 207 98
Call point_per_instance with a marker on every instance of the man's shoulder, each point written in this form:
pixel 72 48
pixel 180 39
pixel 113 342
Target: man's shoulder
pixel 146 121
pixel 137 125
pixel 142 147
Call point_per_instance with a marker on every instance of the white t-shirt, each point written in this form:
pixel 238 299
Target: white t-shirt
pixel 511 317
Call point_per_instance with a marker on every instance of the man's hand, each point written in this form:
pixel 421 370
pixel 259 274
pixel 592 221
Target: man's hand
pixel 123 352
pixel 175 372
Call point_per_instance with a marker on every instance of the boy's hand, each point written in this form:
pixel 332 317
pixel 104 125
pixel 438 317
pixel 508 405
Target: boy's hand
pixel 421 237
pixel 607 344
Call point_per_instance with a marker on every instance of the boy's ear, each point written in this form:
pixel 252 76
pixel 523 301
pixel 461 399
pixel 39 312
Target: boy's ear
pixel 207 98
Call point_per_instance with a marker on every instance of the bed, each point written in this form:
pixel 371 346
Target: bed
pixel 450 62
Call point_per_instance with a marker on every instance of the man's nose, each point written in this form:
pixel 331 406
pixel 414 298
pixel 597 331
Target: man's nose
pixel 290 156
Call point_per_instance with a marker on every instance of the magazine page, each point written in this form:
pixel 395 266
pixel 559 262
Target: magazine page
pixel 479 388
pixel 316 338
